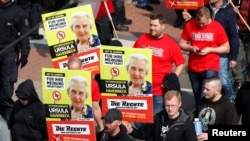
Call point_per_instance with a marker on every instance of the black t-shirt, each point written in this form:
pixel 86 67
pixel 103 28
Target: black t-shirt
pixel 166 125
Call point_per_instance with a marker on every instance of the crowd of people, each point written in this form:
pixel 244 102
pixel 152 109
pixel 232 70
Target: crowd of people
pixel 214 43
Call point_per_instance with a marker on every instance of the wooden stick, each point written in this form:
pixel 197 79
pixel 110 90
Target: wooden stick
pixel 110 18
pixel 242 19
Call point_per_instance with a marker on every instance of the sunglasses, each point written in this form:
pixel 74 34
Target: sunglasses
pixel 23 98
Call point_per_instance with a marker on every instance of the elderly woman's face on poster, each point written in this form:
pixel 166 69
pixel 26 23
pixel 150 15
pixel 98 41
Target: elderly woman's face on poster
pixel 81 27
pixel 137 71
pixel 77 94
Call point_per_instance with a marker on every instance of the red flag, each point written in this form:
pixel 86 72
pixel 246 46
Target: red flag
pixel 184 4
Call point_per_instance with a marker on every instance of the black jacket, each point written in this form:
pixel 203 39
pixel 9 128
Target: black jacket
pixel 228 19
pixel 121 136
pixel 27 122
pixel 242 103
pixel 220 112
pixel 14 23
pixel 181 130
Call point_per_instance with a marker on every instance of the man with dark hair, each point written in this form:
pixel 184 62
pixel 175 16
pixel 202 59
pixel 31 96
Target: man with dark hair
pixel 166 52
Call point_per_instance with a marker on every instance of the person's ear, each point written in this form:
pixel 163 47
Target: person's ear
pixel 119 123
pixel 180 104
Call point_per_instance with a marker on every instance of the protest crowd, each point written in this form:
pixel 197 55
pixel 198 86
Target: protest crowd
pixel 212 49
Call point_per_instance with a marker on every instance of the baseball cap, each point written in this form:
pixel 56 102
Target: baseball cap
pixel 112 115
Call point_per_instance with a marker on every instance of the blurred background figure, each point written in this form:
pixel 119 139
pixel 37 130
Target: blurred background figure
pixel 119 16
pixel 33 8
pixel 179 20
pixel 242 100
pixel 143 4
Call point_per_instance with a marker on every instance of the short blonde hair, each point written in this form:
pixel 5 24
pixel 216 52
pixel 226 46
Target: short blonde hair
pixel 172 93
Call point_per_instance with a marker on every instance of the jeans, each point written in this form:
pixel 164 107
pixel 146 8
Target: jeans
pixel 158 105
pixel 224 76
pixel 140 3
pixel 197 80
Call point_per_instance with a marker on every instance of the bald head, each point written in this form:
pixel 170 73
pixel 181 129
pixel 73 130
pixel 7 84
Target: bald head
pixel 74 63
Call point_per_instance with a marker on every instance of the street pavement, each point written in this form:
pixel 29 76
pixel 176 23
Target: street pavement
pixel 40 56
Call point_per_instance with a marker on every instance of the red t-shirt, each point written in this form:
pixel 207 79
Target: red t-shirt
pixel 103 11
pixel 213 35
pixel 166 52
pixel 96 95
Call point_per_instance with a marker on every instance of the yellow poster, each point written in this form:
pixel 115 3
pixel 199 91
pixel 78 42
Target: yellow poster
pixel 67 100
pixel 126 82
pixel 72 32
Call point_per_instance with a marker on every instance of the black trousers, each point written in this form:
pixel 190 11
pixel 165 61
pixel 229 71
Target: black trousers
pixel 119 15
pixel 104 29
pixel 8 76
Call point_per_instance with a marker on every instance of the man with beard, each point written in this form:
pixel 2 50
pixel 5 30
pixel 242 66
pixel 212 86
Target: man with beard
pixel 114 129
pixel 166 54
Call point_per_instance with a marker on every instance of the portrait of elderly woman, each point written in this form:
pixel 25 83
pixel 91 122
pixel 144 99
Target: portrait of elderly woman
pixel 137 68
pixel 78 93
pixel 81 26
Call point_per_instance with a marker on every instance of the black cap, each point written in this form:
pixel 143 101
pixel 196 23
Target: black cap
pixel 112 115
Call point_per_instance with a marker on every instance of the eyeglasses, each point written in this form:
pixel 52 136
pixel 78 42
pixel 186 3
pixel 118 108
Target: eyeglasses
pixel 171 106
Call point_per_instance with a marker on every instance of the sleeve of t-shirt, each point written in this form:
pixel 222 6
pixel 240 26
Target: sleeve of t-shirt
pixel 96 95
pixel 177 56
pixel 184 34
pixel 138 42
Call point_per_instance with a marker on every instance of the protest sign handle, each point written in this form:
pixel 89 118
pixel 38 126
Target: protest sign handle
pixel 241 18
pixel 110 18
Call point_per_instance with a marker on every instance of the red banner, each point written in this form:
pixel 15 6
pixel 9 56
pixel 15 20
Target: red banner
pixel 133 108
pixel 90 61
pixel 184 4
pixel 71 130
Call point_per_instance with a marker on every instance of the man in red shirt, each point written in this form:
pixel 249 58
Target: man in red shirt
pixel 166 52
pixel 205 39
